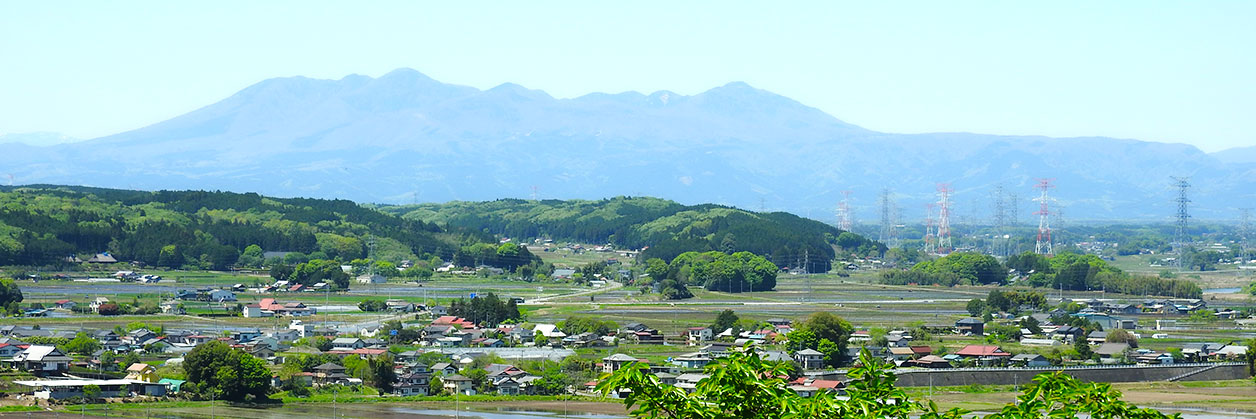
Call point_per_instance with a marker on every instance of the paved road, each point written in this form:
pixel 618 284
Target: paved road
pixel 610 286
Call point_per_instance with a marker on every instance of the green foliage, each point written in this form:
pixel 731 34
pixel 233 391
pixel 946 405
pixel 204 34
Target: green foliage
pixel 823 332
pixel 43 224
pixel 485 309
pixel 370 305
pixel 227 374
pixel 1010 301
pixel 110 309
pixel 1083 349
pixel 10 293
pixel 320 270
pixel 976 307
pixel 82 344
pixel 744 386
pixel 724 320
pixel 91 392
pixel 1089 272
pixel 666 227
pixel 581 324
pixel 920 277
pixel 975 268
pixel 716 271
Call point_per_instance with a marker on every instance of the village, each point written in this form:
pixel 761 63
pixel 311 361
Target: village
pixel 448 354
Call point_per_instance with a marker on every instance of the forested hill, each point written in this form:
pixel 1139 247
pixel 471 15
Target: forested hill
pixel 45 224
pixel 667 228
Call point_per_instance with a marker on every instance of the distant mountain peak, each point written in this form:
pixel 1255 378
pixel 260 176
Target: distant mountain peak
pixel 404 136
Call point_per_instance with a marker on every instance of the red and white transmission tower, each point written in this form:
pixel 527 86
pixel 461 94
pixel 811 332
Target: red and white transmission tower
pixel 944 218
pixel 1043 247
pixel 931 240
pixel 843 212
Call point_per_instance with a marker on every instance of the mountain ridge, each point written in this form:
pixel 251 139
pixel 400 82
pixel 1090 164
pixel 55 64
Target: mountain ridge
pixel 405 136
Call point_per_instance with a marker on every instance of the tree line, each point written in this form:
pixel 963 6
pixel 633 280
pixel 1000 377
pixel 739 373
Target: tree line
pixel 1067 271
pixel 714 270
pixel 45 225
pixel 667 228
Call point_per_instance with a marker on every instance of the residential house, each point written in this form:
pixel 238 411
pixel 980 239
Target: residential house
pixel 103 258
pixel 401 306
pixel 810 359
pixel 614 362
pixel 41 359
pixel 457 384
pixel 246 335
pixel 930 361
pixel 1231 353
pixel 1153 358
pixel 901 353
pixel 8 350
pixel 693 360
pixel 220 296
pixel 970 326
pixel 1068 334
pixel 330 373
pixel 371 279
pixel 984 354
pixel 172 307
pixel 99 301
pixel 699 334
pixel 1030 360
pixel 414 383
pixel 66 304
pixel 1097 337
pixel 142 372
pixel 348 343
pixel 1112 350
pixel 445 368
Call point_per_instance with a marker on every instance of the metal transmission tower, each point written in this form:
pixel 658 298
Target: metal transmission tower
pixel 931 238
pixel 944 218
pixel 895 226
pixel 1245 234
pixel 1013 209
pixel 1183 216
pixel 844 220
pixel 1000 222
pixel 887 218
pixel 1043 246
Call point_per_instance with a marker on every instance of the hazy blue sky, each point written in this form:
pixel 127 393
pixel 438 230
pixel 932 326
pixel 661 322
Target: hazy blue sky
pixel 1162 71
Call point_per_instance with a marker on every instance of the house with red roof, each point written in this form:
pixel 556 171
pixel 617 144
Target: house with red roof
pixel 453 321
pixel 985 354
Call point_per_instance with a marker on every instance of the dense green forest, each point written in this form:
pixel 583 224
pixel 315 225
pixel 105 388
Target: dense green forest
pixel 667 228
pixel 45 224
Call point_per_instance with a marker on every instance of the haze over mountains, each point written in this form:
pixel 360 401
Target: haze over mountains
pixel 404 137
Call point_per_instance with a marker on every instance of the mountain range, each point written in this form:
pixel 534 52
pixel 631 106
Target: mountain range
pixel 404 137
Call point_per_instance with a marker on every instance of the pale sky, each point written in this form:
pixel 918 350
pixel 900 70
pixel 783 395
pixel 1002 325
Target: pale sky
pixel 1169 71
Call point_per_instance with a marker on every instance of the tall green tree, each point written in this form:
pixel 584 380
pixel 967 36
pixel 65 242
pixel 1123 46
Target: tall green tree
pixel 227 374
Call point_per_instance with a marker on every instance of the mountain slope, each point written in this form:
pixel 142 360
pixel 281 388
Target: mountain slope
pixel 665 227
pixel 43 224
pixel 404 137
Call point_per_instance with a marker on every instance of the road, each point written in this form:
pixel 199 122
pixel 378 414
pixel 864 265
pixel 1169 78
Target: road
pixel 610 286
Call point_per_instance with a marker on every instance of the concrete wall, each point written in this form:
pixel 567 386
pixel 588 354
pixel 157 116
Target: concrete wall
pixel 1112 374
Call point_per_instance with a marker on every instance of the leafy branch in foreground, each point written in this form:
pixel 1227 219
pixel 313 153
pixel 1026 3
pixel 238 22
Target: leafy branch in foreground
pixel 745 386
